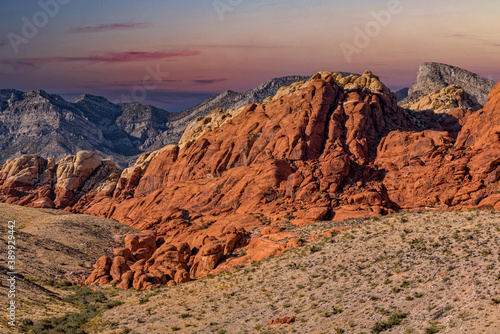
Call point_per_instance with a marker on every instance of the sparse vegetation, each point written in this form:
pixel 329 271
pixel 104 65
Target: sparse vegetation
pixel 91 303
pixel 394 320
pixel 362 280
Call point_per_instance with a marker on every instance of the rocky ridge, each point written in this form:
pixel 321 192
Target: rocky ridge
pixel 433 76
pixel 224 102
pixel 332 147
pixel 45 124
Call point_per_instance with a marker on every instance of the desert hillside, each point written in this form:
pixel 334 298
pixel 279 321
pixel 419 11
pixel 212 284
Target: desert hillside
pixel 411 272
pixel 54 249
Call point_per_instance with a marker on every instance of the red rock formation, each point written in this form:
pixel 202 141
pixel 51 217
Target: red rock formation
pixel 332 148
pixel 101 273
pixel 37 182
pixel 441 173
pixel 143 265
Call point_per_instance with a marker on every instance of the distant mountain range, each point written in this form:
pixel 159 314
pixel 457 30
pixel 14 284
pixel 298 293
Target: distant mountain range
pixel 36 122
pixel 45 124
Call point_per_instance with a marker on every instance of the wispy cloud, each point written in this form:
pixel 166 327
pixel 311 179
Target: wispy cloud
pixel 109 57
pixel 137 56
pixel 466 36
pixel 475 38
pixel 208 81
pixel 120 84
pixel 245 46
pixel 108 27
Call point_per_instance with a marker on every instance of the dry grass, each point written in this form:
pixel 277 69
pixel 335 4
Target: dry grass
pixel 52 247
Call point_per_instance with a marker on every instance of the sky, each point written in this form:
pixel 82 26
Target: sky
pixel 175 54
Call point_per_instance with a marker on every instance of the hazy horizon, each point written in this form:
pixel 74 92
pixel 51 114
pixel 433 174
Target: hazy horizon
pixel 109 47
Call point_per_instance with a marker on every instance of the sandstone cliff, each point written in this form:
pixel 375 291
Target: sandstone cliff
pixel 329 143
pixel 332 147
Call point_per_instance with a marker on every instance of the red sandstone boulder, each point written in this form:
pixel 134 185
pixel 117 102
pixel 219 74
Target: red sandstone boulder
pixel 141 281
pixel 142 245
pixel 206 260
pixel 101 273
pixel 170 262
pixel 118 268
pixel 124 252
pixel 126 280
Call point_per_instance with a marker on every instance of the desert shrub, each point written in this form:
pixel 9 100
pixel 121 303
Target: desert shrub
pixel 394 320
pixel 91 304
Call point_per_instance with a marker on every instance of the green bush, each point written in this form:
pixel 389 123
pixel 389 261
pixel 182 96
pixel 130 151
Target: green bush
pixel 394 320
pixel 92 303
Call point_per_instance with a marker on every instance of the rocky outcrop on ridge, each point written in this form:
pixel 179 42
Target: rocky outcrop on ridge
pixel 436 76
pixel 43 183
pixel 440 101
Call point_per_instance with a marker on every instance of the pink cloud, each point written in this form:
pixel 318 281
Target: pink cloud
pixel 209 81
pixel 108 27
pixel 135 56
pixel 34 63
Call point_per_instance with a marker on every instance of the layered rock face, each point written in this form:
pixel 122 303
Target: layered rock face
pixel 436 76
pixel 333 147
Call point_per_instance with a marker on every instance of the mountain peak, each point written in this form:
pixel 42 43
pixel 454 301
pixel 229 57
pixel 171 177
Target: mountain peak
pixel 90 97
pixel 434 76
pixel 36 93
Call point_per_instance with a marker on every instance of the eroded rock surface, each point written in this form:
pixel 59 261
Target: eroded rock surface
pixel 333 147
pixel 440 101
